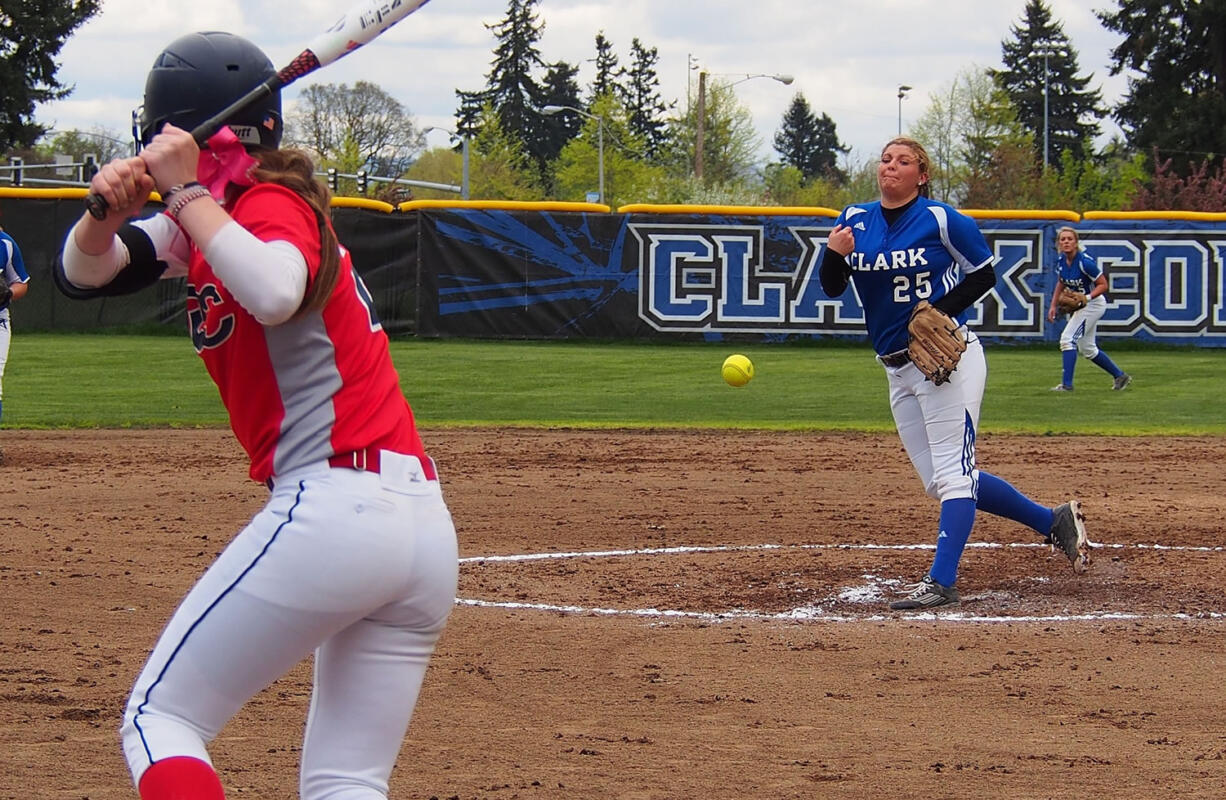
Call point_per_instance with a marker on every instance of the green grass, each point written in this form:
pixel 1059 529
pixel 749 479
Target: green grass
pixel 116 381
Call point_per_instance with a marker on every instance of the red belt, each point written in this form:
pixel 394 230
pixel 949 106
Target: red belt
pixel 364 460
pixel 367 460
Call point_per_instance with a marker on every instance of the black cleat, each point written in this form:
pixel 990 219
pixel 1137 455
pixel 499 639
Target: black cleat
pixel 1068 532
pixel 926 594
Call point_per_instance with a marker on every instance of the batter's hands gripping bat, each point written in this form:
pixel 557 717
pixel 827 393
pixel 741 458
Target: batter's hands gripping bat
pixel 360 24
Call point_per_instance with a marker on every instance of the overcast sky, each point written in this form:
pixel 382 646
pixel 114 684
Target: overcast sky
pixel 848 60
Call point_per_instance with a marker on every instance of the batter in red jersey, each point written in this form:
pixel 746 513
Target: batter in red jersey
pixel 354 557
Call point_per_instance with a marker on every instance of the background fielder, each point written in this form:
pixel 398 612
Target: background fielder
pixel 1077 272
pixel 13 270
pixel 898 251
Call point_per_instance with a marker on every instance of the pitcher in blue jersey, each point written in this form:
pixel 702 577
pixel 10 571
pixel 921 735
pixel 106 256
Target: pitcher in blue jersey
pixel 1078 272
pixel 898 251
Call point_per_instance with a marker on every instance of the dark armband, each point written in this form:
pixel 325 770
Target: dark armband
pixel 143 269
pixel 834 273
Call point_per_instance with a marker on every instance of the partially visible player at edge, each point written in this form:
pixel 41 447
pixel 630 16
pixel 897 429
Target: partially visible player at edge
pixel 13 270
pixel 898 251
pixel 1076 271
pixel 354 555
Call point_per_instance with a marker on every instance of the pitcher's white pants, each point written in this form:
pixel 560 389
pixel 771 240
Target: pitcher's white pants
pixel 937 424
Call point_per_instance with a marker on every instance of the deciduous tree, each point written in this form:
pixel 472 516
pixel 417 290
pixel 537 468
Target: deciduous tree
pixel 730 142
pixel 355 128
pixel 500 169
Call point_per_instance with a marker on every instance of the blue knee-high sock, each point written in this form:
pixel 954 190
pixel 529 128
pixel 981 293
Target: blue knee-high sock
pixel 1070 363
pixel 1103 360
pixel 999 497
pixel 957 517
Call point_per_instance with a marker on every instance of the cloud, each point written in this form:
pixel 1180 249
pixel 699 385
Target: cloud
pixel 847 60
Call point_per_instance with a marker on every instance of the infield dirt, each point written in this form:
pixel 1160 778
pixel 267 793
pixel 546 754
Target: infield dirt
pixel 771 672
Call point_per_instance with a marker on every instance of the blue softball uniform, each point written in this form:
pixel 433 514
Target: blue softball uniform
pixel 922 256
pixel 12 265
pixel 1080 275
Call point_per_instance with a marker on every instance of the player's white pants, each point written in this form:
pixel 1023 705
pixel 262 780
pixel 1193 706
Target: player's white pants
pixel 1082 328
pixel 937 424
pixel 6 338
pixel 362 573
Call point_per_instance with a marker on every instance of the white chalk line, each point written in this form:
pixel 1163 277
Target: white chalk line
pixel 682 550
pixel 816 613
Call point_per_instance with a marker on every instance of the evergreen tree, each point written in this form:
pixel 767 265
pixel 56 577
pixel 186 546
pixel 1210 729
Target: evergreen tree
pixel 31 36
pixel 796 139
pixel 1176 101
pixel 607 71
pixel 561 88
pixel 1072 108
pixel 642 98
pixel 510 88
pixel 829 148
pixel 809 142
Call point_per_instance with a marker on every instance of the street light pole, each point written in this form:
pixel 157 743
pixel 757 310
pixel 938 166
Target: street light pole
pixel 463 150
pixel 551 110
pixel 1046 105
pixel 700 125
pixel 902 92
pixel 1045 50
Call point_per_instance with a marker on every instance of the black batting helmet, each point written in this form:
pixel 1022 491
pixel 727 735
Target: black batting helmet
pixel 200 74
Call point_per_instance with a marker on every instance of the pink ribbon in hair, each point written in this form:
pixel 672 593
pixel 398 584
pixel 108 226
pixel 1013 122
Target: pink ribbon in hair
pixel 225 161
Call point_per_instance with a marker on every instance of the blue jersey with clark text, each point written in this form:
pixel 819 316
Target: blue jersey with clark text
pixel 1081 275
pixel 924 254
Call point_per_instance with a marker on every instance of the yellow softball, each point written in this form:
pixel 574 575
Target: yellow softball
pixel 737 370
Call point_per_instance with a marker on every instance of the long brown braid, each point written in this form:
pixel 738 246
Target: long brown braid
pixel 295 170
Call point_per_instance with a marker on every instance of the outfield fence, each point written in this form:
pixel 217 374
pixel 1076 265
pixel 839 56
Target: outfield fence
pixel 485 269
